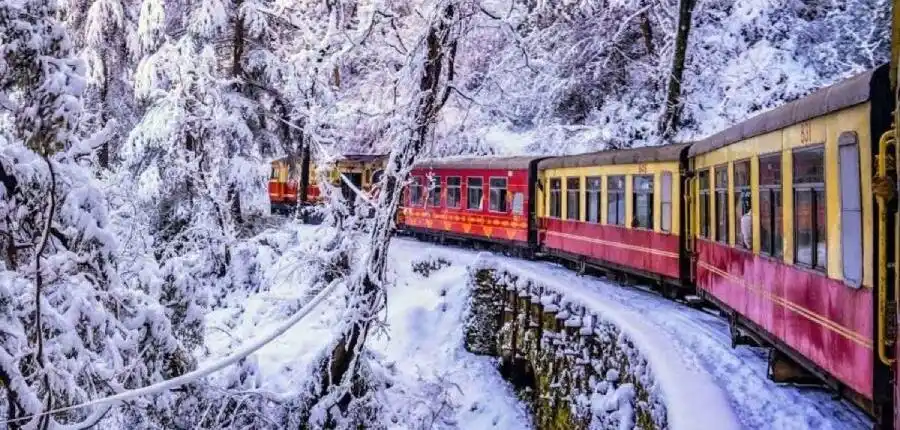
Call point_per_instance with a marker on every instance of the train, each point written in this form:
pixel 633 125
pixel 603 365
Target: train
pixel 786 223
pixel 290 174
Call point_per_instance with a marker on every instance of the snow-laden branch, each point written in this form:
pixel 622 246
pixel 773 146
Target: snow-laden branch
pixel 189 377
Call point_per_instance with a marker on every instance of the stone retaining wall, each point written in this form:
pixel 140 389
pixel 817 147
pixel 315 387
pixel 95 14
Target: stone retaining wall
pixel 574 367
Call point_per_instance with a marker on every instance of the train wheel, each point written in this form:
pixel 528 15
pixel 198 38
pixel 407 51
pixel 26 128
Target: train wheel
pixel 669 291
pixel 735 331
pixel 582 268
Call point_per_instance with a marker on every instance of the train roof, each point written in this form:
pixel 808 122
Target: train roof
pixel 647 154
pixel 363 158
pixel 360 158
pixel 481 162
pixel 844 94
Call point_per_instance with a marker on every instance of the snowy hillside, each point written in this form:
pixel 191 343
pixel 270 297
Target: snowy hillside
pixel 586 74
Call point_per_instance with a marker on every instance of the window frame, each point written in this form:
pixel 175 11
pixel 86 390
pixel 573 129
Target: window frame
pixel 776 231
pixel 813 188
pixel 512 206
pixel 431 188
pixel 577 193
pixel 704 218
pixel 506 202
pixel 666 178
pixel 458 188
pixel 619 193
pixel 558 205
pixel 736 191
pixel 634 198
pixel 851 246
pixel 417 183
pixel 481 191
pixel 717 189
pixel 587 193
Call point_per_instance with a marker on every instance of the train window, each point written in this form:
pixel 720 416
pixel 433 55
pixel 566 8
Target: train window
pixel 573 199
pixel 593 200
pixel 810 246
pixel 721 203
pixel 498 195
pixel 518 204
pixel 376 177
pixel 851 208
pixel 434 192
pixel 743 209
pixel 415 191
pixel 703 180
pixel 274 174
pixel 666 204
pixel 615 204
pixel 555 205
pixel 454 192
pixel 475 193
pixel 643 202
pixel 770 206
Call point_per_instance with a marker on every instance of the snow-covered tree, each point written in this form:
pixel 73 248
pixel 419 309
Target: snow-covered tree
pixel 69 329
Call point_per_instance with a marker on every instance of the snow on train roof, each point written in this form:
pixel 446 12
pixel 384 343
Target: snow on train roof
pixel 480 162
pixel 844 94
pixel 671 152
pixel 360 158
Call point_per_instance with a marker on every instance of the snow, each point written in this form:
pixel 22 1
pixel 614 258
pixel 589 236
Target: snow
pixel 435 381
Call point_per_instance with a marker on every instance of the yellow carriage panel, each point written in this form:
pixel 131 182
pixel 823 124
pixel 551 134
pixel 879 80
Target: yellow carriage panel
pixel 824 130
pixel 656 169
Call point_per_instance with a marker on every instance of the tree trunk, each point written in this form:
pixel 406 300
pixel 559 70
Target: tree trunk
pixel 671 114
pixel 304 171
pixel 647 30
pixel 370 288
pixel 103 156
pixel 234 195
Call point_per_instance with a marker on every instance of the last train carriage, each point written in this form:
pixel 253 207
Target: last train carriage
pixel 775 221
pixel 363 170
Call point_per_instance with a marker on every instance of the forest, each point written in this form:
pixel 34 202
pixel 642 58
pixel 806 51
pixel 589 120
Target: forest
pixel 136 136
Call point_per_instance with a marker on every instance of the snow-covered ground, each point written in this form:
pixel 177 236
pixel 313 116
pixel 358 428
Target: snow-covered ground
pixel 440 385
pixel 437 384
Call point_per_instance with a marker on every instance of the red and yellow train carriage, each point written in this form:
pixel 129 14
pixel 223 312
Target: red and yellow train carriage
pixel 363 170
pixel 617 209
pixel 781 223
pixel 484 198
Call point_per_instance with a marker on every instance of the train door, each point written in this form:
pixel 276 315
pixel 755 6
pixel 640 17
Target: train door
pixel 688 251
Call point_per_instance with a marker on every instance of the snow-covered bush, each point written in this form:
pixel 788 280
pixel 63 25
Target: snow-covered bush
pixel 425 266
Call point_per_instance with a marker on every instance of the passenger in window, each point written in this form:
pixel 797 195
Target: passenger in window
pixel 746 221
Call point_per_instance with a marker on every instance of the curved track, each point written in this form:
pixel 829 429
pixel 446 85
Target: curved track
pixel 702 337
